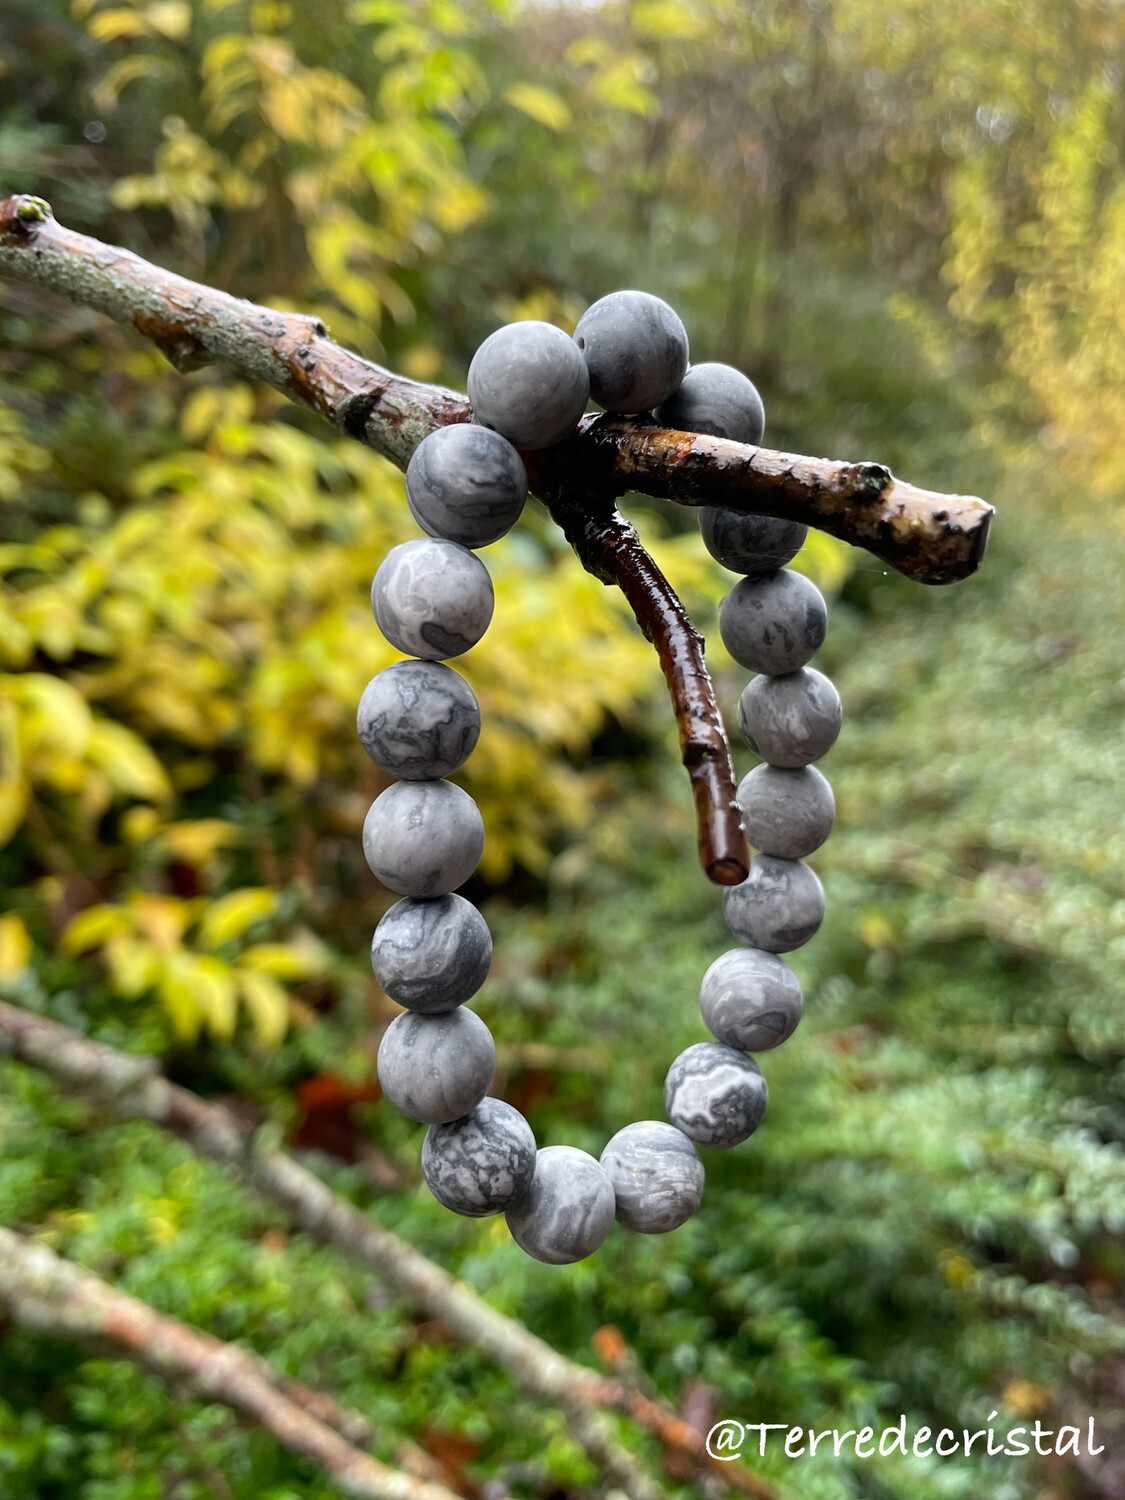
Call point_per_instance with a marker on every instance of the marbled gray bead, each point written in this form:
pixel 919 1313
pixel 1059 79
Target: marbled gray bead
pixel 754 545
pixel 790 720
pixel 717 400
pixel 786 811
pixel 467 484
pixel 431 598
pixel 636 350
pixel 482 1164
pixel 529 382
pixel 431 955
pixel 774 624
pixel 423 838
pixel 567 1211
pixel 418 720
pixel 436 1068
pixel 751 1000
pixel 657 1176
pixel 778 907
pixel 715 1095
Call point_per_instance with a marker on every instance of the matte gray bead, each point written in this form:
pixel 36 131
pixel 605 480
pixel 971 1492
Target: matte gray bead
pixel 436 1068
pixel 715 1095
pixel 751 1000
pixel 786 811
pixel 567 1211
pixel 754 545
pixel 482 1164
pixel 657 1176
pixel 636 349
pixel 431 598
pixel 467 484
pixel 529 382
pixel 778 907
pixel 423 838
pixel 790 720
pixel 432 955
pixel 718 400
pixel 418 720
pixel 774 624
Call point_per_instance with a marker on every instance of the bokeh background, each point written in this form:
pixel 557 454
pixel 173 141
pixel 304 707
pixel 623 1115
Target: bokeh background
pixel 906 222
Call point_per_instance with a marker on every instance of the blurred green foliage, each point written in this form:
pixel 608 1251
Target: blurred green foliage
pixel 905 222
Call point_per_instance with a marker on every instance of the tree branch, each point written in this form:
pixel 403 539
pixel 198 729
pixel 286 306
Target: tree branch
pixel 52 1298
pixel 132 1088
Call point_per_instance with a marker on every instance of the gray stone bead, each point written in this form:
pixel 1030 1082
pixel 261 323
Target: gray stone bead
pixel 751 1000
pixel 436 1068
pixel 423 838
pixel 657 1176
pixel 778 907
pixel 482 1164
pixel 786 811
pixel 466 484
pixel 418 720
pixel 567 1211
pixel 754 545
pixel 431 598
pixel 717 400
pixel 790 720
pixel 774 624
pixel 432 955
pixel 715 1095
pixel 636 349
pixel 529 382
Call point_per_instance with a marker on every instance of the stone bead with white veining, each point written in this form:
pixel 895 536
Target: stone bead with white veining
pixel 791 720
pixel 716 400
pixel 752 545
pixel 432 598
pixel 436 1068
pixel 567 1211
pixel 635 348
pixel 418 720
pixel 775 624
pixel 751 1000
pixel 529 381
pixel 423 838
pixel 715 1095
pixel 431 955
pixel 778 907
pixel 786 811
pixel 657 1176
pixel 467 484
pixel 481 1164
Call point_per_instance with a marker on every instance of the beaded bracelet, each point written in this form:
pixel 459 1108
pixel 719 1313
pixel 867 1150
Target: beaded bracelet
pixel 423 837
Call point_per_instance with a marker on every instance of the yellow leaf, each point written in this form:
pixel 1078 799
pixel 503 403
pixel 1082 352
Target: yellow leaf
pixel 94 927
pixel 110 25
pixel 15 946
pixel 172 18
pixel 670 20
pixel 196 841
pixel 267 1005
pixel 282 960
pixel 162 919
pixel 541 104
pixel 134 964
pixel 127 762
pixel 197 989
pixel 231 915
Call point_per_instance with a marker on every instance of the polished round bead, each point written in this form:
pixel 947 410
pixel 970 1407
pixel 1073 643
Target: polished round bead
pixel 778 907
pixel 431 955
pixel 751 1000
pixel 636 350
pixel 774 624
pixel 432 599
pixel 753 545
pixel 715 1095
pixel 481 1164
pixel 423 838
pixel 567 1211
pixel 529 382
pixel 657 1176
pixel 717 400
pixel 786 811
pixel 418 720
pixel 790 720
pixel 436 1068
pixel 466 484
